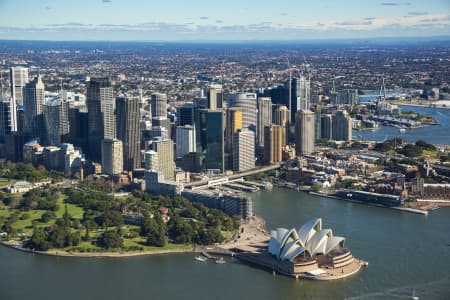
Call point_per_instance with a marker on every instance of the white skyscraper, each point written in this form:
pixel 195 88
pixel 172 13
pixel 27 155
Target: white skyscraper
pixel 112 156
pixel 304 132
pixel 243 150
pixel 185 140
pixel 56 120
pixel 18 79
pixel 303 92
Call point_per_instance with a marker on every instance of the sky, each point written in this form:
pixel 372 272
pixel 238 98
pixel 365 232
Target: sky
pixel 178 20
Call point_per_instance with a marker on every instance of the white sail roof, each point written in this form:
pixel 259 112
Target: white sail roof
pixel 287 244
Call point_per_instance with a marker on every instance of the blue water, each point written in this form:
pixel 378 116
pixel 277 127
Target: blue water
pixel 435 134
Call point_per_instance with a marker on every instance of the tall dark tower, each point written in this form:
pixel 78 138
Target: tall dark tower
pixel 129 131
pixel 33 94
pixel 99 93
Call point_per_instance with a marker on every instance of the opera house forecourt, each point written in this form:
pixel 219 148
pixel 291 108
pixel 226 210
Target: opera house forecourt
pixel 310 252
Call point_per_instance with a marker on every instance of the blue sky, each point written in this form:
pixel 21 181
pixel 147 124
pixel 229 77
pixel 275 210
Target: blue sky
pixel 221 20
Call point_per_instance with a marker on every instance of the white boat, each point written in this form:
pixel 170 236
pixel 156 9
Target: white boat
pixel 220 261
pixel 402 130
pixel 201 258
pixel 414 297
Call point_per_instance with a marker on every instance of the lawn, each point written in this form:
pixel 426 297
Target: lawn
pixel 76 212
pixel 6 182
pixel 429 152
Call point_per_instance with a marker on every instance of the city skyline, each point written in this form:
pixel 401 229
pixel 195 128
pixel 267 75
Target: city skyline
pixel 202 20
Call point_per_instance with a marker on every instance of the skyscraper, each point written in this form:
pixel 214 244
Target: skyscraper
pixel 317 121
pixel 185 114
pixel 185 140
pixel 56 121
pixel 326 130
pixel 233 124
pixel 158 105
pixel 248 103
pixel 101 121
pixel 129 131
pixel 273 150
pixel 112 156
pixel 165 159
pixel 342 126
pixel 243 150
pixel 304 132
pixel 8 117
pixel 300 95
pixel 215 144
pixel 264 118
pixel 33 94
pixel 349 96
pixel 78 133
pixel 18 78
pixel 281 118
pixel 215 96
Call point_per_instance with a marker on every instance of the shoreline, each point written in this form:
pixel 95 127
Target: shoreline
pixel 97 254
pixel 420 105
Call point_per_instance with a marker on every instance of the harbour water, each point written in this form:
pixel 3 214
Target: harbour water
pixel 435 134
pixel 405 252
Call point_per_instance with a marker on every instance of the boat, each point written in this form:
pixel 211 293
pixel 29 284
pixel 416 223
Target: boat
pixel 402 130
pixel 220 261
pixel 201 258
pixel 414 297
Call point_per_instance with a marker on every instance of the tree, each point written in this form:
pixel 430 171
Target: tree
pixel 155 230
pixel 111 240
pixel 39 240
pixel 47 216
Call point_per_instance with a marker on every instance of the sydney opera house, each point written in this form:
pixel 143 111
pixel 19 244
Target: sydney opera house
pixel 309 252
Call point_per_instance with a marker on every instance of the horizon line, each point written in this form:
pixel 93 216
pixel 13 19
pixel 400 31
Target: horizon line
pixel 335 39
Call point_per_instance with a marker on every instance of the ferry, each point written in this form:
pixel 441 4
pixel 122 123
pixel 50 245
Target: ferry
pixel 370 198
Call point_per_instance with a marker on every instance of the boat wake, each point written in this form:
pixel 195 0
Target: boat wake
pixel 429 290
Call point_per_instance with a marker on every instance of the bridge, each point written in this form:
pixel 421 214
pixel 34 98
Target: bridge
pixel 239 177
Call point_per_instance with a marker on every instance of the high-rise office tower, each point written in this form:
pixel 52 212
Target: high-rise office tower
pixel 233 124
pixel 248 103
pixel 304 132
pixel 210 145
pixel 158 105
pixel 215 96
pixel 56 121
pixel 101 120
pixel 165 158
pixel 317 121
pixel 304 92
pixel 33 94
pixel 163 122
pixel 349 96
pixel 129 131
pixel 185 140
pixel 8 117
pixel 273 150
pixel 151 160
pixel 78 133
pixel 112 156
pixel 264 118
pixel 185 114
pixel 281 117
pixel 342 126
pixel 243 150
pixel 300 95
pixel 326 130
pixel 18 78
pixel 215 144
